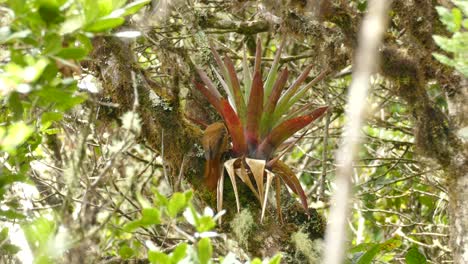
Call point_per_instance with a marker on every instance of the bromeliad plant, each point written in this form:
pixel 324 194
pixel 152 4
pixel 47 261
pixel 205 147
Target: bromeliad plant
pixel 259 117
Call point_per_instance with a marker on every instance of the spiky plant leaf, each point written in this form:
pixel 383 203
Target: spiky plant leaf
pixel 270 177
pixel 301 93
pixel 209 84
pixel 236 90
pixel 219 194
pixel 247 76
pixel 268 113
pixel 258 56
pixel 284 130
pixel 229 165
pixel 225 87
pixel 257 167
pixel 234 127
pixel 242 173
pixel 214 100
pixel 273 71
pixel 278 198
pixel 254 112
pixel 218 61
pixel 283 103
pixel 282 170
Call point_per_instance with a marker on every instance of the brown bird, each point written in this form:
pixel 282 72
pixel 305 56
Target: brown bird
pixel 215 143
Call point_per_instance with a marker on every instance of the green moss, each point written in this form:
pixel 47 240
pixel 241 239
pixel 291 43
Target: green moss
pixel 242 226
pixel 306 249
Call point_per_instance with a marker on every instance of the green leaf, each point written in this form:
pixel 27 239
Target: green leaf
pixel 361 247
pixel 177 203
pixel 4 234
pixel 150 216
pixel 205 223
pixel 367 257
pixel 132 226
pixel 72 23
pixel 105 23
pixel 72 53
pixel 205 250
pixel 444 59
pixel 52 44
pixel 256 261
pixel 16 106
pixel 16 134
pixel 48 118
pixel 11 214
pixel 85 42
pixel 39 232
pixel 413 256
pixel 158 258
pixel 4 38
pixel 50 13
pixel 450 18
pixel 271 79
pixel 276 259
pixel 133 7
pixel 463 5
pixel 10 249
pixel 160 199
pixel 179 253
pixel 247 76
pixel 126 252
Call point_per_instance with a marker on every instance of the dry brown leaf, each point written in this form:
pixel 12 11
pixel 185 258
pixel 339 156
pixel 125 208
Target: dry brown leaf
pixel 278 198
pixel 257 167
pixel 265 198
pixel 229 165
pixel 242 173
pixel 219 195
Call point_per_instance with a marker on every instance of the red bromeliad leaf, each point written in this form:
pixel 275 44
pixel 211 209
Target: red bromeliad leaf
pixel 254 112
pixel 272 74
pixel 218 60
pixel 286 129
pixel 289 177
pixel 300 111
pixel 272 100
pixel 209 84
pixel 214 100
pixel 234 127
pixel 237 93
pixel 258 56
pixel 277 89
pixel 292 90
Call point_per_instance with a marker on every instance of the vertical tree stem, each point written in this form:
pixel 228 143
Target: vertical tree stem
pixel 372 30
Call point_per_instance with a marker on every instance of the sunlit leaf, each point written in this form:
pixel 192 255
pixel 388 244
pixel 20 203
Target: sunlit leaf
pixel 205 250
